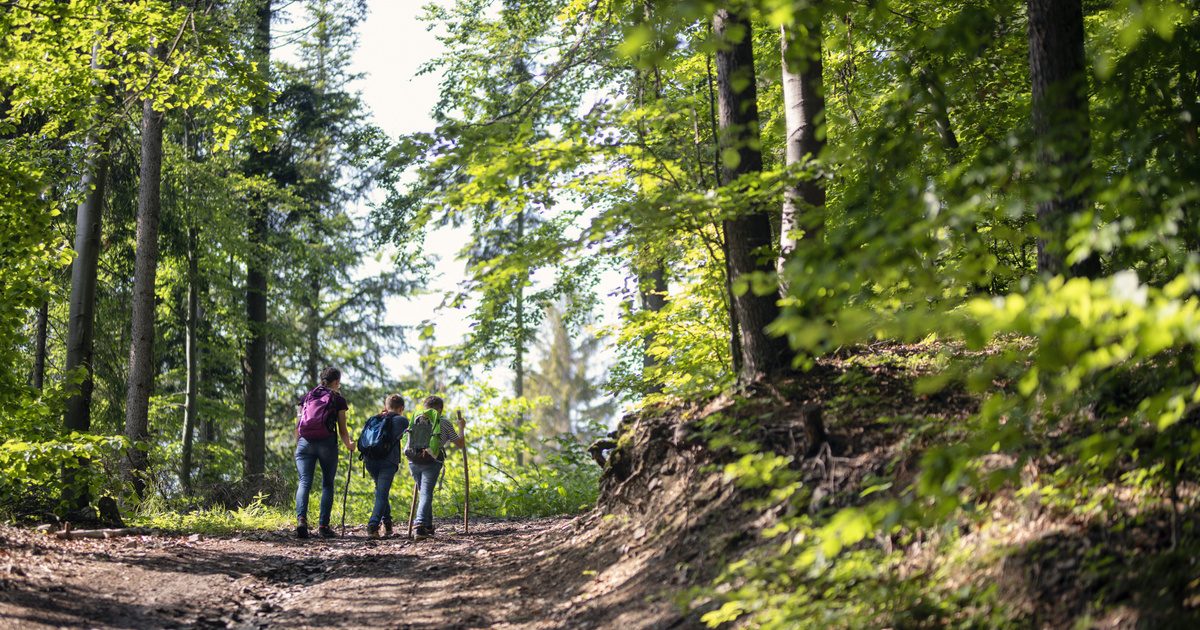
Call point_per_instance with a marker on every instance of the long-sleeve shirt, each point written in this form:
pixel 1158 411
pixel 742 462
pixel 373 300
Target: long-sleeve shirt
pixel 399 426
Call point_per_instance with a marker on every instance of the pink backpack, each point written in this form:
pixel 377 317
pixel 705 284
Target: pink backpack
pixel 318 414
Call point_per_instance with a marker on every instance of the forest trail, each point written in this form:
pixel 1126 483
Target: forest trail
pixel 268 579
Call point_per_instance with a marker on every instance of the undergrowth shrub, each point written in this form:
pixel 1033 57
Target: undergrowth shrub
pixel 1058 351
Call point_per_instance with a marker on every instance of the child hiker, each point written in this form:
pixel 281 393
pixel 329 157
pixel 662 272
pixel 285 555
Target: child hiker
pixel 320 411
pixel 428 433
pixel 379 447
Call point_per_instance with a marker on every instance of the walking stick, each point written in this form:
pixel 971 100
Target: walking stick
pixel 412 512
pixel 345 493
pixel 466 482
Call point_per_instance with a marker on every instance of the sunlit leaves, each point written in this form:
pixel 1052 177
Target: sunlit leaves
pixel 74 67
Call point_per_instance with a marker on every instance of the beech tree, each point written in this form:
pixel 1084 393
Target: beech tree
pixel 82 318
pixel 748 238
pixel 650 265
pixel 804 113
pixel 254 365
pixel 141 349
pixel 1061 126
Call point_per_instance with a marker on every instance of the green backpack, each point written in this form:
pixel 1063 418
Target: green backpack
pixel 425 432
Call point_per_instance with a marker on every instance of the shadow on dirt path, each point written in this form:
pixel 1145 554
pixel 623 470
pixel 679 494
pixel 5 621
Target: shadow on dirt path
pixel 482 580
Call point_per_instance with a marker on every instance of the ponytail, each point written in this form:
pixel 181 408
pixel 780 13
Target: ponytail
pixel 329 375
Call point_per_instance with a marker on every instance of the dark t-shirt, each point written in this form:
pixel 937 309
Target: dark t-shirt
pixel 399 426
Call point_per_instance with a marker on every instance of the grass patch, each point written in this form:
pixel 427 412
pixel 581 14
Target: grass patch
pixel 257 516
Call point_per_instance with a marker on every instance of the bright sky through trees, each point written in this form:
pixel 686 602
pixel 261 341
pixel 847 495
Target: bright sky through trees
pixel 393 45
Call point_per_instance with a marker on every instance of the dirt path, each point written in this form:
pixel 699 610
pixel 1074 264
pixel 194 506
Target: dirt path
pixel 269 579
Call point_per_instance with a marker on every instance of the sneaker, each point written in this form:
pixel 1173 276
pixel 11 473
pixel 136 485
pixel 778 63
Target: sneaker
pixel 326 531
pixel 302 529
pixel 387 529
pixel 372 531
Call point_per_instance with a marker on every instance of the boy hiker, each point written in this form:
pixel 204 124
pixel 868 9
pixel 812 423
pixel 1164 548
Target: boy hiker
pixel 428 433
pixel 319 412
pixel 379 448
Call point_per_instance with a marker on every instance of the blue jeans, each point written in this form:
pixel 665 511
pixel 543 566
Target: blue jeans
pixel 383 472
pixel 308 453
pixel 426 476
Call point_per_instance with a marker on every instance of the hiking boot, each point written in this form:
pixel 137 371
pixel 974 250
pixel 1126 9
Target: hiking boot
pixel 326 531
pixel 424 532
pixel 372 531
pixel 387 529
pixel 302 529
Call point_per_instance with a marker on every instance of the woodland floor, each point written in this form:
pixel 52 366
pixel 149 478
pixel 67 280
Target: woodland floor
pixel 668 519
pixel 490 578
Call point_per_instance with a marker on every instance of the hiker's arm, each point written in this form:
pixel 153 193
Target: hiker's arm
pixel 461 442
pixel 345 433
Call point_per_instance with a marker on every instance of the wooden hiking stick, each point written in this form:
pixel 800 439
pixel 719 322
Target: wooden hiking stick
pixel 346 492
pixel 466 481
pixel 412 512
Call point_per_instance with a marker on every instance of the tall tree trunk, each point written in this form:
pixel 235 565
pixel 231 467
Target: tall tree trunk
pixel 1061 124
pixel 748 237
pixel 41 331
pixel 735 335
pixel 939 109
pixel 191 352
pixel 82 308
pixel 254 420
pixel 312 365
pixel 141 347
pixel 81 318
pixel 1188 80
pixel 652 282
pixel 804 109
pixel 209 433
pixel 39 346
pixel 519 350
pixel 735 325
pixel 191 348
pixel 653 288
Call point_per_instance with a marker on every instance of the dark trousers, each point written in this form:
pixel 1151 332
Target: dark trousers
pixel 383 472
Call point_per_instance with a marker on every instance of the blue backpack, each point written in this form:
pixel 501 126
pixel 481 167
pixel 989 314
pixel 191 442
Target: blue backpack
pixel 376 440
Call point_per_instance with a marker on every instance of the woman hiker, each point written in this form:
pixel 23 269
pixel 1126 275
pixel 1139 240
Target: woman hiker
pixel 383 461
pixel 428 433
pixel 320 411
